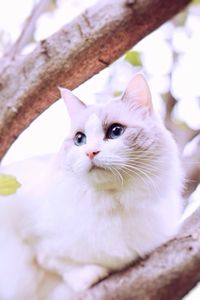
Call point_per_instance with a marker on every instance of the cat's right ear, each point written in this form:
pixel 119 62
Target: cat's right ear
pixel 138 93
pixel 74 105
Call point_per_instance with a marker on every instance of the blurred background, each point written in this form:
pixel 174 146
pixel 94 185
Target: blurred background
pixel 169 58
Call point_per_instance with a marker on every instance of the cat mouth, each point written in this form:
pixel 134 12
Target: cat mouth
pixel 96 168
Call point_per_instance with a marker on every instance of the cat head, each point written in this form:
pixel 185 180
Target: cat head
pixel 114 143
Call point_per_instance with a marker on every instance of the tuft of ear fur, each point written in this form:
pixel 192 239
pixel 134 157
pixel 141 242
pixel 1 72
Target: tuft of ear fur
pixel 74 105
pixel 138 93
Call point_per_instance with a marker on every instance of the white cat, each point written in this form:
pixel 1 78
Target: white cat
pixel 111 195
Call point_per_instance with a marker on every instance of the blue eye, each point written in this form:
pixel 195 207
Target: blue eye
pixel 80 139
pixel 114 131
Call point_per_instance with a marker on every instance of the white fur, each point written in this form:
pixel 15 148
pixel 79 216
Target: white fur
pixel 82 222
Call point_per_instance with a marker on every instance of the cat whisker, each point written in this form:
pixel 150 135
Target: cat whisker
pixel 148 168
pixel 107 164
pixel 120 176
pixel 140 168
pixel 144 155
pixel 138 163
pixel 116 173
pixel 138 151
pixel 145 158
pixel 128 171
pixel 141 155
pixel 144 165
pixel 144 151
pixel 145 172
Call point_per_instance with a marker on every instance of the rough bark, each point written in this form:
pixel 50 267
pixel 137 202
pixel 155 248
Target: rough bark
pixel 78 51
pixel 170 272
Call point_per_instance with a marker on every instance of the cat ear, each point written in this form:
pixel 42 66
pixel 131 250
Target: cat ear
pixel 74 105
pixel 138 93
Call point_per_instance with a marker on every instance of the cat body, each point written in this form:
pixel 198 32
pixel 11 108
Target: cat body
pixel 111 195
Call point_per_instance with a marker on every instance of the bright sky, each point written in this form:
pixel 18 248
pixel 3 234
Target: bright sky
pixel 48 131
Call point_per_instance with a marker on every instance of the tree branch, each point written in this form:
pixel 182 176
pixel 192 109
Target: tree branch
pixel 181 132
pixel 79 50
pixel 28 30
pixel 170 272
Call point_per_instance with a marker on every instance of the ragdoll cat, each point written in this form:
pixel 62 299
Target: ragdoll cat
pixel 111 195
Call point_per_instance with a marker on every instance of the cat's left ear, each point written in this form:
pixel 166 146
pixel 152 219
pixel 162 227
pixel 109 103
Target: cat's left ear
pixel 138 93
pixel 74 105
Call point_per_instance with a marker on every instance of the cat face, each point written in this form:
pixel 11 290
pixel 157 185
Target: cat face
pixel 113 143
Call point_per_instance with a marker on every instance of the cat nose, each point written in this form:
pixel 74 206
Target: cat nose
pixel 92 154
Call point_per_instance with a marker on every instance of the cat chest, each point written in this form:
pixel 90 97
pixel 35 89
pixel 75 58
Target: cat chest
pixel 107 240
pixel 86 233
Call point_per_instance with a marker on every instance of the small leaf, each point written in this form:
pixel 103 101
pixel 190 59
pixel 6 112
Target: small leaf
pixel 8 185
pixel 52 5
pixel 180 19
pixel 117 94
pixel 133 57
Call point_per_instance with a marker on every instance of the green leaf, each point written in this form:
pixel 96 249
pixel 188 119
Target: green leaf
pixel 180 19
pixel 117 94
pixel 52 5
pixel 196 1
pixel 133 57
pixel 8 185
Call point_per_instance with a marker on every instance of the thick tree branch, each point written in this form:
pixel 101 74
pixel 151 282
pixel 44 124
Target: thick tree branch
pixel 78 51
pixel 170 272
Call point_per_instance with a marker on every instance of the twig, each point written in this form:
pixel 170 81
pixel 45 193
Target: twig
pixel 170 104
pixel 28 30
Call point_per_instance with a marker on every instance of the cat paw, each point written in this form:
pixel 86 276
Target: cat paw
pixel 81 278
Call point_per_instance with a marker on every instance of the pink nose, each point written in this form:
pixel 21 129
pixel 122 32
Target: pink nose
pixel 91 154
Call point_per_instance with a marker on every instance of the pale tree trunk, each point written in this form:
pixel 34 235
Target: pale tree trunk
pixel 28 85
